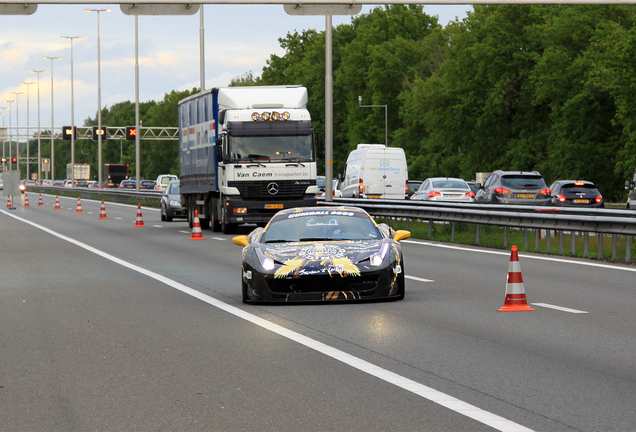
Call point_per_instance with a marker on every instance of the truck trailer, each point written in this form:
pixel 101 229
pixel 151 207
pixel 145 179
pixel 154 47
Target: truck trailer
pixel 244 154
pixel 115 173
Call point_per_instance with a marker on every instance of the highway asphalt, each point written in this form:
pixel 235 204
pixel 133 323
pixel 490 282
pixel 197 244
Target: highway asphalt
pixel 107 326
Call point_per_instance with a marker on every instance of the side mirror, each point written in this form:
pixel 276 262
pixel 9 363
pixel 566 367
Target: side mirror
pixel 219 152
pixel 320 145
pixel 401 235
pixel 240 241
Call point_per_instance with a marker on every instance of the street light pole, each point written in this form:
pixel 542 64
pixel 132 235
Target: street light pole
pixel 386 123
pixel 17 129
pixel 39 140
pixel 72 113
pixel 10 133
pixel 27 134
pixel 52 122
pixel 4 140
pixel 99 100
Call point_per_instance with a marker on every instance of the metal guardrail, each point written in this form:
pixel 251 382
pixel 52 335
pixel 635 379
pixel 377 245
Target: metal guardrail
pixel 598 221
pixel 606 221
pixel 150 198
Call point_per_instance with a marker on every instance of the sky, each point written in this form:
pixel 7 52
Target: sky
pixel 238 39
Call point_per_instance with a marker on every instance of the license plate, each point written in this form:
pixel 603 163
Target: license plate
pixel 273 206
pixel 452 196
pixel 525 195
pixel 582 201
pixel 375 196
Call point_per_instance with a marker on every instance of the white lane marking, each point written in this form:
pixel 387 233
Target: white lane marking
pixel 561 308
pixel 185 232
pixel 561 260
pixel 118 218
pixel 218 238
pixel 454 404
pixel 418 278
pixel 158 226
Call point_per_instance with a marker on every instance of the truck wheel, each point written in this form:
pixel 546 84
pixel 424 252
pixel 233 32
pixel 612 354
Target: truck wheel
pixel 191 204
pixel 227 228
pixel 216 223
pixel 205 223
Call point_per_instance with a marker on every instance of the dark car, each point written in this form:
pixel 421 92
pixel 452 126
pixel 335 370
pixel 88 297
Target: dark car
pixel 81 183
pixel 411 187
pixel 128 184
pixel 514 187
pixel 147 184
pixel 575 193
pixel 171 203
pixel 473 185
pixel 322 254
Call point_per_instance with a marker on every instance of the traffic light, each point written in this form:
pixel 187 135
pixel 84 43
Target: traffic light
pixel 131 133
pixel 14 160
pixel 68 132
pixel 97 132
pixel 4 160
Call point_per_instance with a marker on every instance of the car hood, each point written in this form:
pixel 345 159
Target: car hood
pixel 346 257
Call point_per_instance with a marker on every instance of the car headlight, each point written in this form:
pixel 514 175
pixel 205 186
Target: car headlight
pixel 266 262
pixel 175 203
pixel 377 259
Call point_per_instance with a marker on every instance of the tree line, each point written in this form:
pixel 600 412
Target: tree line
pixel 517 87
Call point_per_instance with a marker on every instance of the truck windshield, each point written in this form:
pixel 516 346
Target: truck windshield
pixel 272 148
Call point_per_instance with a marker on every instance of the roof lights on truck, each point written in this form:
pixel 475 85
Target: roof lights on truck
pixel 271 116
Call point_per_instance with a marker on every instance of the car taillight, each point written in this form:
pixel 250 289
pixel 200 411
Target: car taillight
pixel 545 192
pixel 432 194
pixel 501 191
pixel 470 194
pixel 560 197
pixel 361 187
pixel 599 199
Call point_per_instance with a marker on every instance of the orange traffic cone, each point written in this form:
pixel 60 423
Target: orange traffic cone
pixel 57 203
pixel 40 203
pixel 26 200
pixel 196 227
pixel 79 207
pixel 139 222
pixel 9 203
pixel 515 293
pixel 102 212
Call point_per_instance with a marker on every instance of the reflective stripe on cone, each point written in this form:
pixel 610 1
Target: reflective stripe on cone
pixel 196 228
pixel 515 292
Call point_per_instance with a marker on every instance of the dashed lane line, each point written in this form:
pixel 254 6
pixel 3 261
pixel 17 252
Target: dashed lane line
pixel 487 418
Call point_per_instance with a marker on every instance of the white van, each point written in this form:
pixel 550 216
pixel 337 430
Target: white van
pixel 375 171
pixel 163 180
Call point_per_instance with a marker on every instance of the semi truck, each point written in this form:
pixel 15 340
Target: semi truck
pixel 244 154
pixel 115 173
pixel 82 171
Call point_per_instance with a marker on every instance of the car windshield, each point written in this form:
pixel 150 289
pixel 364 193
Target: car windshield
pixel 522 181
pixel 272 148
pixel 450 184
pixel 166 180
pixel 321 225
pixel 573 188
pixel 174 189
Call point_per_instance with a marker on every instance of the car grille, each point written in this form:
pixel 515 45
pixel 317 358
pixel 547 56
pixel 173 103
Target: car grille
pixel 287 189
pixel 323 284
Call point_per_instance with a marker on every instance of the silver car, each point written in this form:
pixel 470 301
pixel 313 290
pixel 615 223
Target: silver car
pixel 444 189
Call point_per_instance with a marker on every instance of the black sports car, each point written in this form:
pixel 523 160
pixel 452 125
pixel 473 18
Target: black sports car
pixel 322 254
